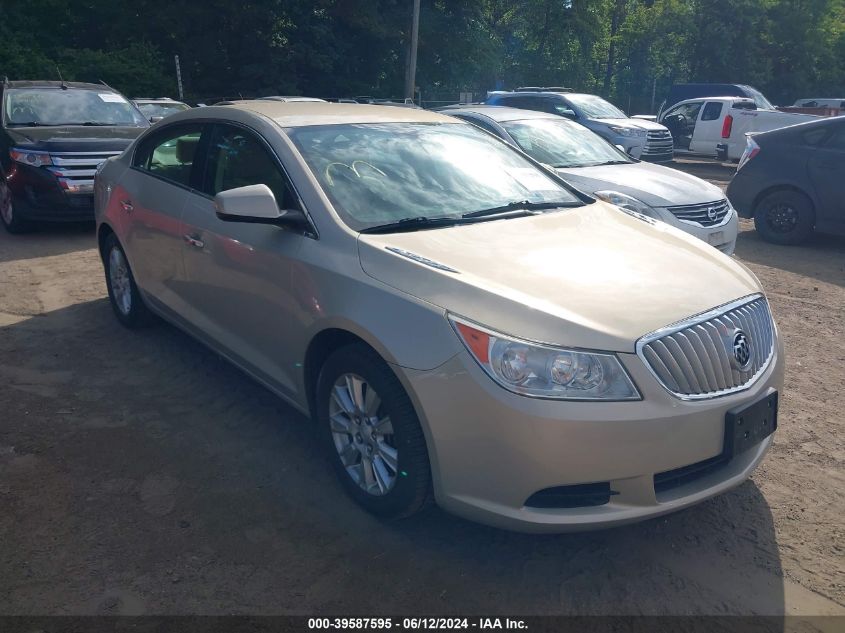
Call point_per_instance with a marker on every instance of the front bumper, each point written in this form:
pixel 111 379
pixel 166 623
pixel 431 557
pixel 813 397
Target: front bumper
pixel 491 450
pixel 721 236
pixel 37 196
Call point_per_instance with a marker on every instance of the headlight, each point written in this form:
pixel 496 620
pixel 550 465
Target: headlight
pixel 534 369
pixel 627 202
pixel 29 157
pixel 628 131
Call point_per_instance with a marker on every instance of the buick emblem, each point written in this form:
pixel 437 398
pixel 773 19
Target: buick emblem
pixel 741 351
pixel 712 214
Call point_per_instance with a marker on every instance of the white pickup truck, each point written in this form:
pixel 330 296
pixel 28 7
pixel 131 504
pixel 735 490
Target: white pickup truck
pixel 716 126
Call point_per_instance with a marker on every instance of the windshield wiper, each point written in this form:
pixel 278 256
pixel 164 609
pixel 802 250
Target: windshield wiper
pixel 413 224
pixel 518 205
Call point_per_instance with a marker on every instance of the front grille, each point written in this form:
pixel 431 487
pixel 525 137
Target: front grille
pixel 704 214
pixel 677 477
pixel 695 358
pixel 658 145
pixel 75 170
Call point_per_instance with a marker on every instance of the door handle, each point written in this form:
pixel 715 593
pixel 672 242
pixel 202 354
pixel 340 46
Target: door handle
pixel 193 241
pixel 127 206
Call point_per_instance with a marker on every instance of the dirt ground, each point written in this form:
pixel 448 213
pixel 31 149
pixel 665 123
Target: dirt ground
pixel 141 474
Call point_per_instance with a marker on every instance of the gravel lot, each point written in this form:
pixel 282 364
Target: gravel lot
pixel 140 474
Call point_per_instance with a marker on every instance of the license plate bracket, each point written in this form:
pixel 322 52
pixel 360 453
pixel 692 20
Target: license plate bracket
pixel 749 425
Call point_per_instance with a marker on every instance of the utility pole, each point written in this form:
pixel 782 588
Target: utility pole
pixel 411 69
pixel 179 78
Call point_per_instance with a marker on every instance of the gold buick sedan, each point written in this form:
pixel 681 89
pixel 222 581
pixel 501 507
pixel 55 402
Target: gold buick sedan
pixel 462 325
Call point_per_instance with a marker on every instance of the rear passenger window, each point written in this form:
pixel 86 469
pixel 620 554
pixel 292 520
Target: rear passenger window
pixel 170 153
pixel 712 111
pixel 236 158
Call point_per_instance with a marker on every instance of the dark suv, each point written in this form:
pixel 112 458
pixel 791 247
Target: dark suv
pixel 53 137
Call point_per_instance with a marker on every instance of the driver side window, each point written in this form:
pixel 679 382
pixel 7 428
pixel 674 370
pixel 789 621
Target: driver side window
pixel 236 158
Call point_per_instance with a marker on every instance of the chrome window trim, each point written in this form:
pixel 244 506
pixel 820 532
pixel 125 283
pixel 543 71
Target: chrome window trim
pixel 696 320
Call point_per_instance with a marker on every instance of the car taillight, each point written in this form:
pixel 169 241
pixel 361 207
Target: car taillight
pixel 726 126
pixel 751 150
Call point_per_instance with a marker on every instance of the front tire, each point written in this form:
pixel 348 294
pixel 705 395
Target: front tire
pixel 10 219
pixel 124 296
pixel 372 434
pixel 785 217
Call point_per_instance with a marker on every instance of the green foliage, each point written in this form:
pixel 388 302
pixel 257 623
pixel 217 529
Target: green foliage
pixel 627 50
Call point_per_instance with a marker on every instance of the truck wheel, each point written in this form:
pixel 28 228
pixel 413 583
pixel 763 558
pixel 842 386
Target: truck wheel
pixel 371 433
pixel 785 217
pixel 12 222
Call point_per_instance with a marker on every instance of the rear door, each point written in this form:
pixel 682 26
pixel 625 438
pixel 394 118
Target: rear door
pixel 827 172
pixel 708 128
pixel 239 276
pixel 151 196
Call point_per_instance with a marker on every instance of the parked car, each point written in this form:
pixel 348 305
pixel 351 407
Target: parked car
pixel 792 181
pixel 641 139
pixel 684 92
pixel 717 126
pixel 53 136
pixel 458 321
pixel 590 163
pixel 156 109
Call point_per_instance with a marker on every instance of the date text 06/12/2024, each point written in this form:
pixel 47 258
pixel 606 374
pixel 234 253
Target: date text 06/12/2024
pixel 413 624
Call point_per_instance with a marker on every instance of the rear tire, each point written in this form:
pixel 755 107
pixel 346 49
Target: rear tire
pixel 11 220
pixel 785 217
pixel 124 296
pixel 371 433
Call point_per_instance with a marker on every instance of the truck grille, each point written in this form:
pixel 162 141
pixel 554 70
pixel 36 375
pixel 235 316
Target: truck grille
pixel 75 170
pixel 695 358
pixel 658 146
pixel 705 214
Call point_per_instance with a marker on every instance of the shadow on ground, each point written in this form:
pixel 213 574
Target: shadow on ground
pixel 46 240
pixel 142 474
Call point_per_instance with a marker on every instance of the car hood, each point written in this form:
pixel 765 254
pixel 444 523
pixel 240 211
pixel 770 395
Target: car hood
pixel 655 185
pixel 641 124
pixel 591 277
pixel 74 138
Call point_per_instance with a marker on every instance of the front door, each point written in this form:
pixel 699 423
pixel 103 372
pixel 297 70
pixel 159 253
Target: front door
pixel 708 129
pixel 239 275
pixel 150 197
pixel 681 121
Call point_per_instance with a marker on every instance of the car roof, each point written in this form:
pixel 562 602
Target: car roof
pixel 301 113
pixel 501 113
pixel 544 93
pixel 78 85
pixel 290 98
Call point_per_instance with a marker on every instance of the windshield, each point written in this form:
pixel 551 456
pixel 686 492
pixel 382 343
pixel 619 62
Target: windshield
pixel 562 144
pixel 161 109
pixel 376 174
pixel 54 106
pixel 759 100
pixel 594 107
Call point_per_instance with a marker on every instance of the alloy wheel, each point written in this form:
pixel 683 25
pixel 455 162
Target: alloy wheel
pixel 120 281
pixel 363 435
pixel 782 218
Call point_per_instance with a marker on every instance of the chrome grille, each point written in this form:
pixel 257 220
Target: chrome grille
pixel 705 214
pixel 75 170
pixel 658 145
pixel 694 358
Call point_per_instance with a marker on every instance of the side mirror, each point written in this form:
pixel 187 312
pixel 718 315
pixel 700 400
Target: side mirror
pixel 621 148
pixel 155 119
pixel 255 204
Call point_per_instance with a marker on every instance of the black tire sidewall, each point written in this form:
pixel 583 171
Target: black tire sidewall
pixel 138 314
pixel 804 226
pixel 411 490
pixel 18 225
